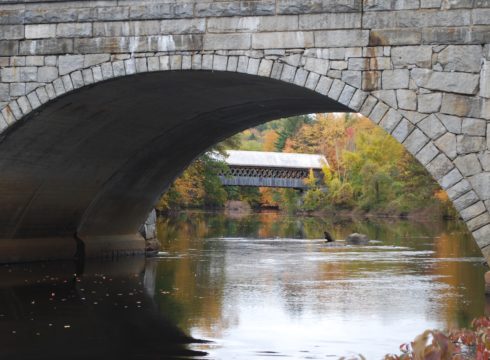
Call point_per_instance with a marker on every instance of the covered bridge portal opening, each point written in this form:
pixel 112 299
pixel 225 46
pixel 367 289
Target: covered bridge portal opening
pixel 92 163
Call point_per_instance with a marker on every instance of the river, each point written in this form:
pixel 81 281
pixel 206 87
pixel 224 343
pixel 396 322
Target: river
pixel 253 286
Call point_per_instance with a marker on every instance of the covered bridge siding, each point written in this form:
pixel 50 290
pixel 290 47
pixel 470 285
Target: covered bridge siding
pixel 271 169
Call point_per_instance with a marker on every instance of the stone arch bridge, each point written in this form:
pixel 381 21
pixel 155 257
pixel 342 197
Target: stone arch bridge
pixel 103 103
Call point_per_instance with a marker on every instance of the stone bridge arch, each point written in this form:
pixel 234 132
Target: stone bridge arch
pixel 418 69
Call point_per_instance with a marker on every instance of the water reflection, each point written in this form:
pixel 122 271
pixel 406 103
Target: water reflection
pixel 267 284
pixel 47 313
pixel 257 286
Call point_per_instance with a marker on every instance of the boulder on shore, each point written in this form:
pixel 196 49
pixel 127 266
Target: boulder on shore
pixel 357 239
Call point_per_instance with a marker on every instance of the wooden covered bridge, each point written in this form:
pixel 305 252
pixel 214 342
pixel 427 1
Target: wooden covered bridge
pixel 271 169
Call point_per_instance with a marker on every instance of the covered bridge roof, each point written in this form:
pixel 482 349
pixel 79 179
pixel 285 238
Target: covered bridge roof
pixel 275 159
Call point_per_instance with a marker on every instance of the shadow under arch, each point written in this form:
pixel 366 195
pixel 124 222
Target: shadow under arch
pixel 94 161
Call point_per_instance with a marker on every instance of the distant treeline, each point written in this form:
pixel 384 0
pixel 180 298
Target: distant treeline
pixel 369 171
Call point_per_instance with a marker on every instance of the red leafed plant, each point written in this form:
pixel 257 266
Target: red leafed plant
pixel 461 344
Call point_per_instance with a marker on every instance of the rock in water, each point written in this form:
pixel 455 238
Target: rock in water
pixel 357 239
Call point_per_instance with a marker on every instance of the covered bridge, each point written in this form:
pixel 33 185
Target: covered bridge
pixel 271 169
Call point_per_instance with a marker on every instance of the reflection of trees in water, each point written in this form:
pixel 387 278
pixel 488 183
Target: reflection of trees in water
pixel 199 287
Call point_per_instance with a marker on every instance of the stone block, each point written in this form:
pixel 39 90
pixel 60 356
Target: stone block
pixel 466 144
pixel 74 30
pixel 416 19
pixel 381 5
pixel 482 238
pixel 402 130
pixel 159 11
pixel 319 66
pixel 293 39
pixel 455 82
pixel 427 154
pixel 439 166
pixel 18 89
pixel 66 79
pixel 415 141
pixel 390 120
pixel 69 63
pixel 276 70
pixel 265 67
pixel 432 127
pixel 233 64
pixel 460 105
pixel 406 56
pixel 46 47
pixel 88 76
pixel 323 85
pixel 353 78
pixel 395 37
pixel 10 74
pixel 118 68
pixel 234 8
pixel 288 73
pixel 59 88
pixel 451 178
pixel 485 79
pixel 34 60
pixel 317 6
pixel 452 123
pixel 47 73
pixel 465 200
pixel 341 38
pixel 479 221
pixel 312 80
pixel 464 58
pixel 77 79
pixel 253 66
pixel 97 72
pixel 4 92
pixel 141 65
pixel 429 103
pixel 368 105
pixel 336 89
pixel 460 188
pixel 338 65
pixel 358 64
pixel 475 127
pixel 480 183
pixel 11 32
pixel 378 112
pixel 330 21
pixel 406 99
pixel 226 41
pixel 40 31
pixel 473 211
pixel 176 62
pixel 447 144
pixel 24 105
pixel 357 100
pixel 468 164
pixel 107 71
pixel 28 73
pixel 371 80
pixel 395 79
pixel 300 77
pixel 485 160
pixel 165 63
pixel 9 47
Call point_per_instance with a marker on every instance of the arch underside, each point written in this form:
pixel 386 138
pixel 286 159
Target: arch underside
pixel 93 163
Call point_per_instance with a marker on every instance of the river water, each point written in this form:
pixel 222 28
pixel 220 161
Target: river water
pixel 254 286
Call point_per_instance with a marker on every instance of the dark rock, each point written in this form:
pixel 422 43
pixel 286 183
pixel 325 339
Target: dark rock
pixel 357 239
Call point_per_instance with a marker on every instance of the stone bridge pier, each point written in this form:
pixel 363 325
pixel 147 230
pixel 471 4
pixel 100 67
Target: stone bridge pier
pixel 104 103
